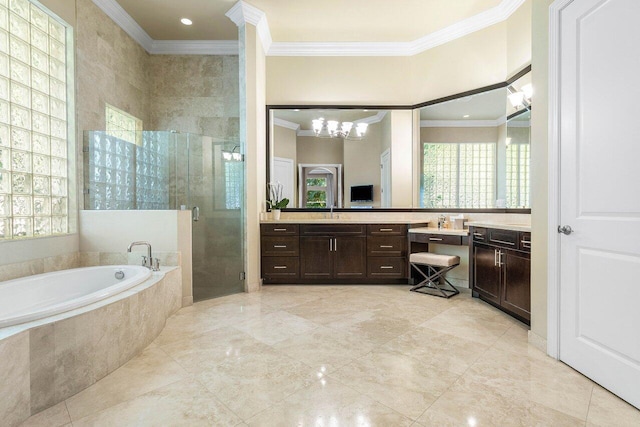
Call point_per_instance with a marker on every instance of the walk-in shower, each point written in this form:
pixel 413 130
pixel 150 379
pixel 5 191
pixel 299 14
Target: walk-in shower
pixel 156 170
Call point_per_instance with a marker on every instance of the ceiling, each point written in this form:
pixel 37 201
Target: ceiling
pixel 304 117
pixel 306 20
pixel 483 106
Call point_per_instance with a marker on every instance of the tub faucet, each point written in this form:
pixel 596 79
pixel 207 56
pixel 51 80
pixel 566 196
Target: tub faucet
pixel 147 261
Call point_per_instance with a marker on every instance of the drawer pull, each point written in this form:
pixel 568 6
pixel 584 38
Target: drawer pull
pixel 526 243
pixel 386 229
pixel 279 229
pixel 478 235
pixel 503 242
pixel 280 246
pixel 386 246
pixel 386 267
pixel 279 267
pixel 435 239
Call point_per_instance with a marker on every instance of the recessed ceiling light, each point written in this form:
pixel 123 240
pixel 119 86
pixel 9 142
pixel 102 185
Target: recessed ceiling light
pixel 465 116
pixel 186 21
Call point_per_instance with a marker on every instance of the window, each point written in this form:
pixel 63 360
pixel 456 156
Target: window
pixel 458 175
pixel 123 125
pixel 233 175
pixel 518 161
pixel 33 122
pixel 316 192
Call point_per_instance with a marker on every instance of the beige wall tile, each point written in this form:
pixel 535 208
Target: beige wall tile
pixel 14 387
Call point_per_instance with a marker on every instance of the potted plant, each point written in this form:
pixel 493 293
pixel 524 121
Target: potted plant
pixel 275 201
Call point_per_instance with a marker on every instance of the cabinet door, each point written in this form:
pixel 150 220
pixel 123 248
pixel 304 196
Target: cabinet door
pixel 486 273
pixel 350 257
pixel 516 289
pixel 316 257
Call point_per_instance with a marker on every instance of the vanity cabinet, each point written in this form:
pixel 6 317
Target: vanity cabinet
pixel 501 269
pixel 334 253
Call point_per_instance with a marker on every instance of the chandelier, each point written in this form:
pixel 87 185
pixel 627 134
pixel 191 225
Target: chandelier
pixel 334 129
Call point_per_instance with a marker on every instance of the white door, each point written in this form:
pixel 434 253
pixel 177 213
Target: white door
pixel 385 179
pixel 284 172
pixel 599 140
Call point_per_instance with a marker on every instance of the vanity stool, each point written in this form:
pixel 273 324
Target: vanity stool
pixel 433 267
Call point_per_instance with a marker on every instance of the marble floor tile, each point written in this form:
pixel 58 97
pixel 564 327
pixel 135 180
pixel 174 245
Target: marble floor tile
pixel 468 326
pixel 275 327
pixel 150 370
pixel 324 310
pixel 254 382
pixel 446 352
pixel 184 403
pixel 532 379
pixel 397 381
pixel 329 403
pixel 473 404
pixel 606 409
pixel 373 325
pixel 55 416
pixel 200 352
pixel 325 349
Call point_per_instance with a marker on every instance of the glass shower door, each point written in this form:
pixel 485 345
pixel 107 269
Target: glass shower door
pixel 215 189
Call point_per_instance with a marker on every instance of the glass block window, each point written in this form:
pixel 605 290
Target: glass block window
pixel 33 122
pixel 123 125
pixel 518 163
pixel 458 175
pixel 233 175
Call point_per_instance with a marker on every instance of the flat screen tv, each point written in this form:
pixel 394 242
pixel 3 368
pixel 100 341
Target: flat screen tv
pixel 362 193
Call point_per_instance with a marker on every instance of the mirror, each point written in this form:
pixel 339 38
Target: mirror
pixel 474 150
pixel 470 151
pixel 337 157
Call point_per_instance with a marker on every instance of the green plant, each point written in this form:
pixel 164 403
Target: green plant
pixel 275 200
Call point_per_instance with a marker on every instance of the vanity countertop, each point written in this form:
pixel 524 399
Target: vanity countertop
pixel 342 221
pixel 433 230
pixel 500 225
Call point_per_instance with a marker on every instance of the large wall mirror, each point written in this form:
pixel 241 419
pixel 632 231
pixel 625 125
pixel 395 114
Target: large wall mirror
pixel 469 151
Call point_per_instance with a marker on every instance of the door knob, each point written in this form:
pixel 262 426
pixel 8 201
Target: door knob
pixel 565 229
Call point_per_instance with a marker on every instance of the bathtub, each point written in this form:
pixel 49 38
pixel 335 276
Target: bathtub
pixel 43 295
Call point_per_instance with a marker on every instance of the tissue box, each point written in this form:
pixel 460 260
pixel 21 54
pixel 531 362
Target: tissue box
pixel 459 223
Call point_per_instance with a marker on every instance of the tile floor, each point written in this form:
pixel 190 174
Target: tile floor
pixel 341 355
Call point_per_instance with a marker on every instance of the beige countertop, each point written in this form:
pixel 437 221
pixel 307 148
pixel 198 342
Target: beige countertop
pixel 341 221
pixel 500 225
pixel 433 230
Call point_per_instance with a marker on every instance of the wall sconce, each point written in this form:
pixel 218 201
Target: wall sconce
pixel 521 98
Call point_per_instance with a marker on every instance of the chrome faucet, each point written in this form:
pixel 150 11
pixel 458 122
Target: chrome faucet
pixel 331 210
pixel 147 261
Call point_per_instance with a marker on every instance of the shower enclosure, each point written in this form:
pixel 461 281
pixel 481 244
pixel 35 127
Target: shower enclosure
pixel 153 170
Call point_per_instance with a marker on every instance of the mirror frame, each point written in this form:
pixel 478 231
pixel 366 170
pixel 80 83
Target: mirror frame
pixel 270 108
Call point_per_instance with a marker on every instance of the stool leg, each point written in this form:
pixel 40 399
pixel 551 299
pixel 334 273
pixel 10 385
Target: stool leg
pixel 441 289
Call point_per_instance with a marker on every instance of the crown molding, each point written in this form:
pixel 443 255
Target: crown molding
pixel 195 47
pixel 472 24
pixel 306 132
pixel 286 124
pixel 126 22
pixel 463 123
pixel 372 119
pixel 243 13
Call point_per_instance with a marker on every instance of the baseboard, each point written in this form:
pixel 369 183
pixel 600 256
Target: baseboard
pixel 537 341
pixel 187 301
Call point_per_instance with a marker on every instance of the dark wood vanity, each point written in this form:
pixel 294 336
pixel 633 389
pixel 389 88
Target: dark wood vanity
pixel 346 253
pixel 500 269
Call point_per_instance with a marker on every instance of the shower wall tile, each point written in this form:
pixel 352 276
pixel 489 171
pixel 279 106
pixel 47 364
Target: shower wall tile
pixel 21 269
pixel 62 262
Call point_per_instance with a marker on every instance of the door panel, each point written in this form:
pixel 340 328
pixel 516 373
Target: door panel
pixel 599 261
pixel 487 273
pixel 350 257
pixel 316 257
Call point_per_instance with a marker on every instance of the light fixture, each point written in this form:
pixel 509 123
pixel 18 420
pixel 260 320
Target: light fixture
pixel 335 129
pixel 232 156
pixel 186 21
pixel 508 141
pixel 466 116
pixel 521 98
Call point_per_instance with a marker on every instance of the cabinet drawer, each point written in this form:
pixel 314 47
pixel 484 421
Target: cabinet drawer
pixel 280 267
pixel 332 229
pixel 280 246
pixel 442 239
pixel 379 267
pixel 395 246
pixel 525 241
pixel 279 229
pixel 504 238
pixel 387 229
pixel 479 234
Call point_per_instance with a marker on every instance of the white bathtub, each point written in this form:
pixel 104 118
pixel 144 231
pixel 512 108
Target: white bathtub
pixel 43 295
